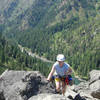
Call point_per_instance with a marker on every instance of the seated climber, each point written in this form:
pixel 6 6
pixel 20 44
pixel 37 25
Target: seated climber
pixel 62 73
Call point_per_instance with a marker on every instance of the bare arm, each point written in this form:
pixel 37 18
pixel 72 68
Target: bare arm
pixel 69 72
pixel 51 73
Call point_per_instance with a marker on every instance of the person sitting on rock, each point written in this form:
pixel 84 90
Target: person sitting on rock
pixel 61 71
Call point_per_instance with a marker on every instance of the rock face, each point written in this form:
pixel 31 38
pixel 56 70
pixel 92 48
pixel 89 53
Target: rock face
pixel 95 83
pixel 2 95
pixel 31 85
pixel 90 88
pixel 94 76
pixel 21 85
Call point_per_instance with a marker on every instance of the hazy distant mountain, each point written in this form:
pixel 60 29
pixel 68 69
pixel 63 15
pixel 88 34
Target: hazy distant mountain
pixel 46 12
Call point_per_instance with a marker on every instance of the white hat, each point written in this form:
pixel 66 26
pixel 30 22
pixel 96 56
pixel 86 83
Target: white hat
pixel 60 57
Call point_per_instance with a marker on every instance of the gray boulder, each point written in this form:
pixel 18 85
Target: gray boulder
pixel 49 96
pixel 95 83
pixel 31 85
pixel 96 94
pixel 90 89
pixel 21 85
pixel 2 95
pixel 95 86
pixel 94 76
pixel 84 91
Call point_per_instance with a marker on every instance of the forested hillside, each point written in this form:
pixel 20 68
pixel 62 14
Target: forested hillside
pixel 49 27
pixel 12 58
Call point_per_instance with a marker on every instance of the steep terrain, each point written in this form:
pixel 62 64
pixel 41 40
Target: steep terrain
pixel 31 85
pixel 49 27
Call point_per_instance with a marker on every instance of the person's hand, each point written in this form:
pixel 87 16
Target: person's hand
pixel 48 80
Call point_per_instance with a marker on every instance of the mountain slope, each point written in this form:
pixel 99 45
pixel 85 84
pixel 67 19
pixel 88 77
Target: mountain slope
pixel 12 58
pixel 56 26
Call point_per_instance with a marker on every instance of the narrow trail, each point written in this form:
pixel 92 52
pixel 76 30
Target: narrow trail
pixel 29 52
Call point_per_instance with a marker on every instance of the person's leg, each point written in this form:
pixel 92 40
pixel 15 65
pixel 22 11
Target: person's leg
pixel 58 84
pixel 63 87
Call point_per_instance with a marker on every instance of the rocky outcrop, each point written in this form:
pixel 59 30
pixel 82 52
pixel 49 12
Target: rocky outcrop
pixel 91 88
pixel 48 97
pixel 95 83
pixel 31 85
pixel 94 76
pixel 2 95
pixel 21 85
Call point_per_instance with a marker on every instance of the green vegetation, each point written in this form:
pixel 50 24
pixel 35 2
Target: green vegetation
pixel 71 27
pixel 13 59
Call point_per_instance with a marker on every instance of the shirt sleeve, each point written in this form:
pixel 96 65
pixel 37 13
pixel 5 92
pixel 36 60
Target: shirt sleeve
pixel 67 66
pixel 54 65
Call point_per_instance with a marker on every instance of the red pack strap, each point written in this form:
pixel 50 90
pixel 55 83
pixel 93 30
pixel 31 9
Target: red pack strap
pixel 67 81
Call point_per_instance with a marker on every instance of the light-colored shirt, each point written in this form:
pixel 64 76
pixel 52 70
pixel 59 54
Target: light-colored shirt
pixel 61 70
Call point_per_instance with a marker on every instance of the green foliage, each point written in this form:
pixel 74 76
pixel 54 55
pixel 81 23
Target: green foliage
pixel 11 58
pixel 50 27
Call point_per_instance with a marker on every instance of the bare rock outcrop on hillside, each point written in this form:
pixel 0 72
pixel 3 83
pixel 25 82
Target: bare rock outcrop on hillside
pixel 95 83
pixel 31 85
pixel 21 85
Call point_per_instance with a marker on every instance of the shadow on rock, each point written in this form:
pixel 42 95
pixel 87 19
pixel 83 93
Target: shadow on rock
pixel 36 84
pixel 2 95
pixel 78 97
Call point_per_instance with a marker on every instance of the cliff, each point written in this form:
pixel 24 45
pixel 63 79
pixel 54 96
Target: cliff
pixel 31 85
